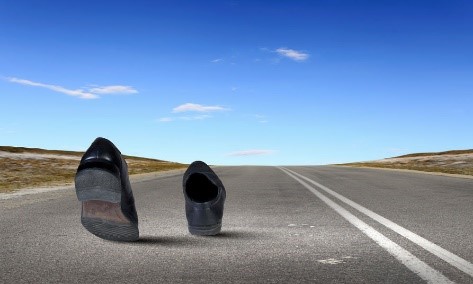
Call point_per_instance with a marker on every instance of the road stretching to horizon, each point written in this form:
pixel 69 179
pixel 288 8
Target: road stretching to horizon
pixel 281 225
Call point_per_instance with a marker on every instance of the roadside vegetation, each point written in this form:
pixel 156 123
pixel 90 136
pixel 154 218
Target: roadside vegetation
pixel 452 152
pixel 450 162
pixel 27 168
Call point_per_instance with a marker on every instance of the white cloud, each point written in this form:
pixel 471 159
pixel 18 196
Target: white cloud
pixel 259 117
pixel 184 118
pixel 292 54
pixel 92 93
pixel 197 108
pixel 217 60
pixel 190 107
pixel 251 153
pixel 113 90
pixel 196 117
pixel 166 119
pixel 77 93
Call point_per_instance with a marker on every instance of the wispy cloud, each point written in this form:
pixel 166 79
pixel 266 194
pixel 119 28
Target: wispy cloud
pixel 254 152
pixel 113 90
pixel 196 117
pixel 77 93
pixel 292 54
pixel 260 118
pixel 90 93
pixel 197 108
pixel 166 119
pixel 185 118
pixel 190 107
pixel 217 60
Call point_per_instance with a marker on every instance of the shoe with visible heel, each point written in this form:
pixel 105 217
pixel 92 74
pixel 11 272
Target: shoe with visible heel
pixel 103 187
pixel 204 196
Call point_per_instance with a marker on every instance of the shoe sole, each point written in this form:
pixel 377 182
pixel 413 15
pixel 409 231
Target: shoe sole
pixel 205 231
pixel 100 193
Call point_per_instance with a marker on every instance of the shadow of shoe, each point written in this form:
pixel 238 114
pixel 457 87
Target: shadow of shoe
pixel 192 241
pixel 235 235
pixel 164 241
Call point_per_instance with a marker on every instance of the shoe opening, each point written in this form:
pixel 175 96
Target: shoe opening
pixel 200 189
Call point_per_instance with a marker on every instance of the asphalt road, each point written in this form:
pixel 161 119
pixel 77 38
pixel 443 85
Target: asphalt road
pixel 311 225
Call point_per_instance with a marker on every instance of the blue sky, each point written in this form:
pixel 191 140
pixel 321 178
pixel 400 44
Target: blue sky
pixel 239 82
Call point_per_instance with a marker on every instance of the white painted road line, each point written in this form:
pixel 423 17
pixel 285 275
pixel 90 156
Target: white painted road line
pixel 416 265
pixel 442 253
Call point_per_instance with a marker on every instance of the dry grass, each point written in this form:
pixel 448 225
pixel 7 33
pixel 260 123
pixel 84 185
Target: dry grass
pixel 452 152
pixel 17 173
pixel 416 167
pixel 140 166
pixel 22 173
pixel 450 162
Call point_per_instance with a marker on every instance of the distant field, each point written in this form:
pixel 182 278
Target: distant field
pixel 31 167
pixel 451 162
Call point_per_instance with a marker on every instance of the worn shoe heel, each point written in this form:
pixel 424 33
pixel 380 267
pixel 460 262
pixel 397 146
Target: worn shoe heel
pixel 106 220
pixel 102 215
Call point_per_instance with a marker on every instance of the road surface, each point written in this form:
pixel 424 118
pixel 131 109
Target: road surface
pixel 281 225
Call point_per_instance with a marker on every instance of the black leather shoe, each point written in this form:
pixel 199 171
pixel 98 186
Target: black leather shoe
pixel 205 196
pixel 102 184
